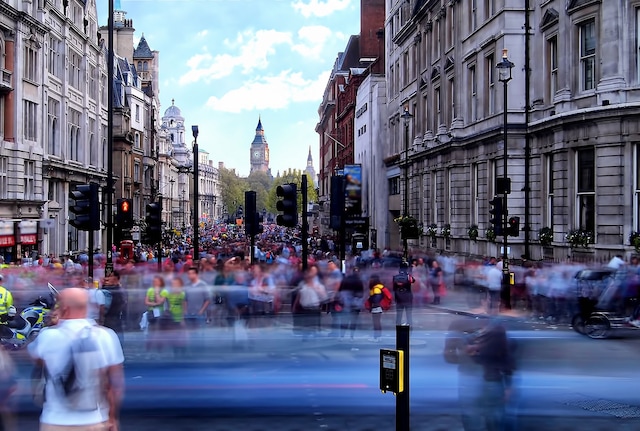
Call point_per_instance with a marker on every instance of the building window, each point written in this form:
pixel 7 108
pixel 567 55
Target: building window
pixel 4 174
pixel 138 113
pixel 452 101
pixel 405 72
pixel 586 189
pixel 136 172
pixel 30 120
pixel 55 64
pixel 475 193
pixel 587 54
pixel 437 108
pixel 550 190
pixel 489 8
pixel 451 27
pixel 490 101
pixel 473 87
pixel 75 68
pixel 29 179
pixel 636 203
pixel 136 140
pixel 30 63
pixel 104 147
pixel 53 127
pixel 74 135
pixel 434 197
pixel 473 16
pixel 552 74
pixel 637 45
pixel 93 150
pixel 93 82
pixel 394 186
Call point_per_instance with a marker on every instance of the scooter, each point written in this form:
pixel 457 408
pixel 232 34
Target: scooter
pixel 20 329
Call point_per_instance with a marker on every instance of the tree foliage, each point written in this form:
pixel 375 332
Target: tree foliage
pixel 232 189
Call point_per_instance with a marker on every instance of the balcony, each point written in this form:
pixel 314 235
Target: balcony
pixel 6 85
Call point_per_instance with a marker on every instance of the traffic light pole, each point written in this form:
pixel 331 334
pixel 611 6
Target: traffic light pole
pixel 108 269
pixel 159 251
pixel 91 246
pixel 506 279
pixel 305 224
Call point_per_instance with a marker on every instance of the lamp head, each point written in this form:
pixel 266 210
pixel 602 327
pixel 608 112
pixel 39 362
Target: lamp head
pixel 504 67
pixel 194 130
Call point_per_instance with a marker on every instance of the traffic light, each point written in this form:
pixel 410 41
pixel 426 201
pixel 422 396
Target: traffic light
pixel 253 219
pixel 288 205
pixel 497 213
pixel 153 220
pixel 84 207
pixel 124 215
pixel 513 228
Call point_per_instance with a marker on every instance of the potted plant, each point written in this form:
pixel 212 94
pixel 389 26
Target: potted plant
pixel 490 234
pixel 432 230
pixel 473 232
pixel 634 240
pixel 446 230
pixel 545 236
pixel 408 226
pixel 579 238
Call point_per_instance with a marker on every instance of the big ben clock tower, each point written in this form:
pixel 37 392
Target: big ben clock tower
pixel 259 151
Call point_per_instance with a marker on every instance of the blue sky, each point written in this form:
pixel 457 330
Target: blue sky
pixel 227 62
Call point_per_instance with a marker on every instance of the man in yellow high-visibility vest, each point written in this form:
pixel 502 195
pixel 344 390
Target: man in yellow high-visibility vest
pixel 6 301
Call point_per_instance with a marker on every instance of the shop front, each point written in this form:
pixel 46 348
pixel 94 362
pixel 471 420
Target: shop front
pixel 7 241
pixel 28 245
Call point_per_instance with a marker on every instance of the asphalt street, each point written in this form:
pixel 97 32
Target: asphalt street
pixel 275 381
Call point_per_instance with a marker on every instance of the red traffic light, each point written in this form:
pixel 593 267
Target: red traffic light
pixel 124 206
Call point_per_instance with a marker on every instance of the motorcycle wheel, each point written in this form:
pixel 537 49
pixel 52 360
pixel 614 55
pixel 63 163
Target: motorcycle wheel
pixel 578 324
pixel 597 327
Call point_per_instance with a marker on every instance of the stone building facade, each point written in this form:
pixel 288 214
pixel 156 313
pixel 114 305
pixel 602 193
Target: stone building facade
pixel 572 130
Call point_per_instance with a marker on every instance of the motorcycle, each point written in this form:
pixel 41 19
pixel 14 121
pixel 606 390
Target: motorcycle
pixel 23 328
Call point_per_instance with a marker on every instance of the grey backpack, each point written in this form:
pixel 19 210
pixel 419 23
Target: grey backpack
pixel 80 380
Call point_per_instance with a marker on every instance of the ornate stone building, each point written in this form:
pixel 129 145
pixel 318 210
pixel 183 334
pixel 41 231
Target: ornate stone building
pixel 572 140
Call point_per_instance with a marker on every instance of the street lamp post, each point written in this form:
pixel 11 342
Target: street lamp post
pixel 196 206
pixel 504 75
pixel 406 116
pixel 171 181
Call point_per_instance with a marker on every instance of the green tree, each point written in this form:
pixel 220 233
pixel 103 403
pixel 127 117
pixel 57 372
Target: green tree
pixel 232 189
pixel 260 183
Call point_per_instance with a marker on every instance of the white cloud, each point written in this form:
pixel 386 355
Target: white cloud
pixel 312 41
pixel 271 92
pixel 319 8
pixel 254 50
pixel 202 34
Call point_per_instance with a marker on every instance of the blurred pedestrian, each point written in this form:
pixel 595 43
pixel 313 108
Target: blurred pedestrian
pixel 115 304
pixel 96 306
pixel 486 363
pixel 350 297
pixel 311 294
pixel 436 281
pixel 403 295
pixel 8 386
pixel 173 321
pixel 154 300
pixel 375 300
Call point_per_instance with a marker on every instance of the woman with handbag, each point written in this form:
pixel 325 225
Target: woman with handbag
pixel 154 300
pixel 375 300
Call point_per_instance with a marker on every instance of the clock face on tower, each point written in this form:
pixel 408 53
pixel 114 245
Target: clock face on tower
pixel 256 155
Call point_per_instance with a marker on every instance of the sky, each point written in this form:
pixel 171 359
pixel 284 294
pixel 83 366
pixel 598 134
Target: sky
pixel 228 63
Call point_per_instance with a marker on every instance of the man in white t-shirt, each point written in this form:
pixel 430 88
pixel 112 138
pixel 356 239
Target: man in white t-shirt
pixel 48 351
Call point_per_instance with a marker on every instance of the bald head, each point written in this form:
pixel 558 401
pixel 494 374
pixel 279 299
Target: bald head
pixel 73 303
